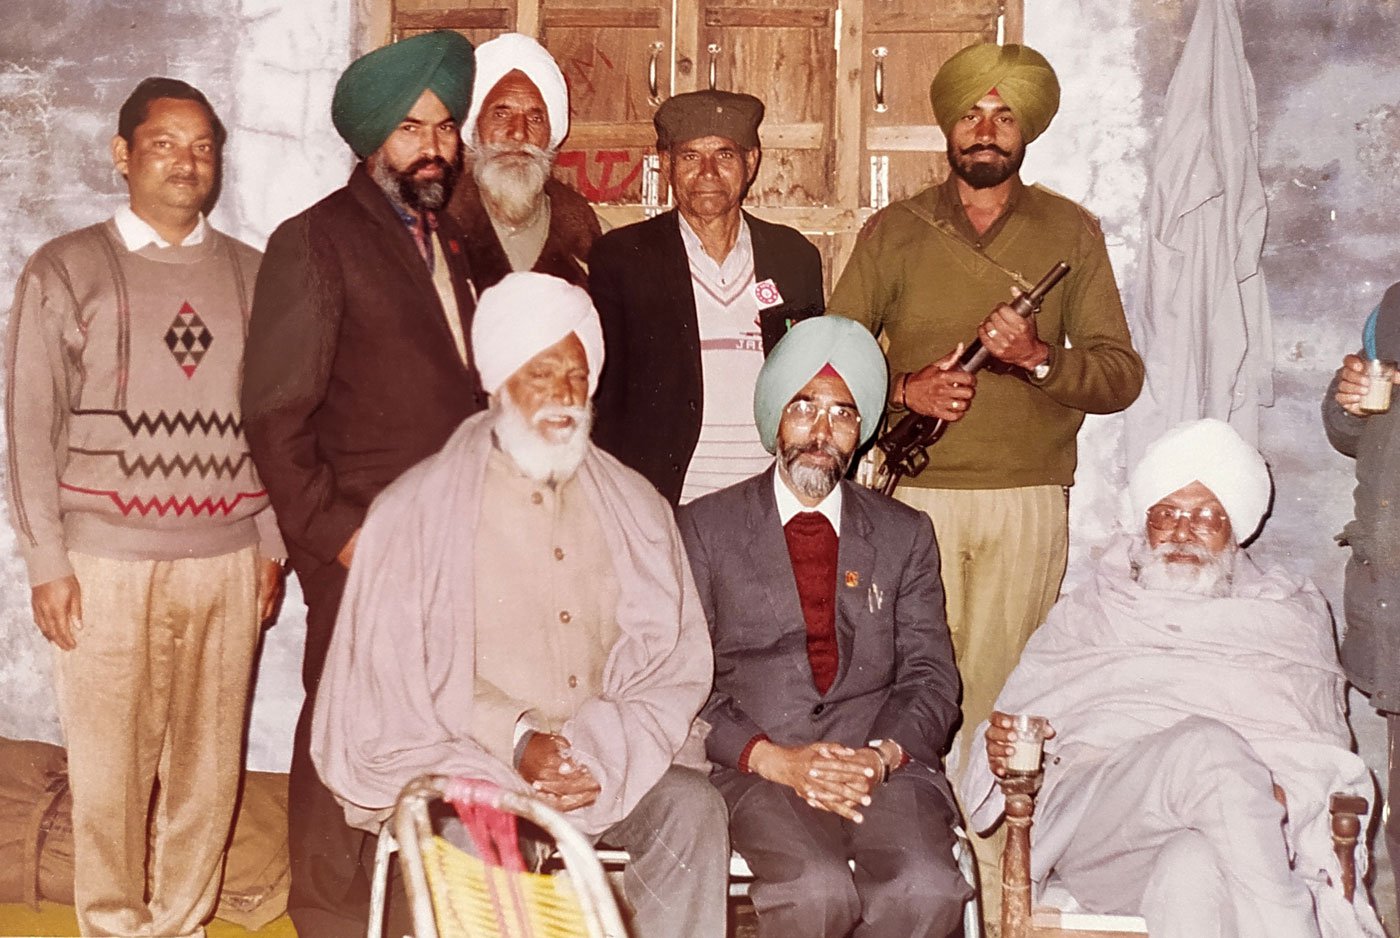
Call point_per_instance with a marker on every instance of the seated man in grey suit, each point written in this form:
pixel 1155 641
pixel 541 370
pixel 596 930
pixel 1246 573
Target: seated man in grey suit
pixel 835 688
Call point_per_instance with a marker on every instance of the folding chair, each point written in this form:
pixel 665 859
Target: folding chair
pixel 454 894
pixel 1019 920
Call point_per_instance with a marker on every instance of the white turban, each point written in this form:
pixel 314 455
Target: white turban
pixel 506 53
pixel 525 314
pixel 1210 452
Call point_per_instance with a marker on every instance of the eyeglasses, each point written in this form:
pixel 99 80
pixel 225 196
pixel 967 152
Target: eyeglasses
pixel 804 414
pixel 1203 521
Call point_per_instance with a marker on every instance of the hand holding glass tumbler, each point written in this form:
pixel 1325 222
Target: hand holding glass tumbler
pixel 1015 742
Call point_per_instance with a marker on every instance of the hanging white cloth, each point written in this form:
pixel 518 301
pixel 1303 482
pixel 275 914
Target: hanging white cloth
pixel 1203 323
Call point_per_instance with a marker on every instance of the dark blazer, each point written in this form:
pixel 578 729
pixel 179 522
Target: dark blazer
pixel 350 374
pixel 650 397
pixel 896 678
pixel 573 227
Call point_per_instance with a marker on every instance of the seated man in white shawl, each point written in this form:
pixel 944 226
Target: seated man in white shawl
pixel 1198 713
pixel 520 609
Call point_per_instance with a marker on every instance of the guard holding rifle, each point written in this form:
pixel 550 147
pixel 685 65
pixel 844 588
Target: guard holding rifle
pixel 925 273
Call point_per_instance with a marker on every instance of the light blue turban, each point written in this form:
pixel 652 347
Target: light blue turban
pixel 810 346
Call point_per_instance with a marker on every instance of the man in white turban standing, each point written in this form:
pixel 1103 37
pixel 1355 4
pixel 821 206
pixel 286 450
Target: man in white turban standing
pixel 516 216
pixel 1197 709
pixel 835 688
pixel 520 610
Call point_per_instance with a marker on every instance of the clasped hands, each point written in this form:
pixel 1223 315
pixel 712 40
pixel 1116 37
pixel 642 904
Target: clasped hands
pixel 561 782
pixel 943 390
pixel 828 776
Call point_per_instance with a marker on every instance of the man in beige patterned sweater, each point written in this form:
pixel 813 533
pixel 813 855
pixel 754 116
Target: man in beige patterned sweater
pixel 151 551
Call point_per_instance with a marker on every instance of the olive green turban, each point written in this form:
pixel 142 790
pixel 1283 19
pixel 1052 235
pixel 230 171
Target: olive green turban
pixel 1021 76
pixel 808 348
pixel 379 88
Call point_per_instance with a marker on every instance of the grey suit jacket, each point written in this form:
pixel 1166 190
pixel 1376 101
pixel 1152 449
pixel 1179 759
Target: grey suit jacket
pixel 896 678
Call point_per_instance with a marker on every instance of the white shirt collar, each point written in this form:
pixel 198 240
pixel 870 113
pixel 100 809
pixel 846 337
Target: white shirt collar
pixel 736 263
pixel 136 232
pixel 788 505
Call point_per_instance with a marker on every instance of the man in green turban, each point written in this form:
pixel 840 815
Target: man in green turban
pixel 835 689
pixel 357 368
pixel 934 272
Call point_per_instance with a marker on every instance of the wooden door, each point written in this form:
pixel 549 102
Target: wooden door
pixel 848 125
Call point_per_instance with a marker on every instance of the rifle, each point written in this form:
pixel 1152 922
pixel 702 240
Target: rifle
pixel 905 446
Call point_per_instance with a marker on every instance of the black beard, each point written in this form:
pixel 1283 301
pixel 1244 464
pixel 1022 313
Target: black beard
pixel 419 195
pixel 980 175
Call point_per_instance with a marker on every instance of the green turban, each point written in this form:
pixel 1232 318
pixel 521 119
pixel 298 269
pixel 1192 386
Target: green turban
pixel 808 348
pixel 379 88
pixel 1021 76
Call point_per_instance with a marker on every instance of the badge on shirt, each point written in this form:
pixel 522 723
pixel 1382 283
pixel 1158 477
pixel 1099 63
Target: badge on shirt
pixel 766 295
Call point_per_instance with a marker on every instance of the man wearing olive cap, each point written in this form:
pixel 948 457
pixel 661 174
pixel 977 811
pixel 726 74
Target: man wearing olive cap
pixel 515 214
pixel 692 300
pixel 835 689
pixel 934 272
pixel 357 368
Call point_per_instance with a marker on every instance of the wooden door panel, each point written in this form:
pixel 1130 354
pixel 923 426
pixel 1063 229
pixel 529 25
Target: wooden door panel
pixel 782 51
pixel 617 60
pixel 478 20
pixel 907 40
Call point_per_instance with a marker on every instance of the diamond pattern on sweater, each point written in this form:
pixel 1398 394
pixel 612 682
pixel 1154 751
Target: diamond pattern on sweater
pixel 188 338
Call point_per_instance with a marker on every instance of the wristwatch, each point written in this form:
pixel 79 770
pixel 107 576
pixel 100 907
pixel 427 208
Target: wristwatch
pixel 887 764
pixel 1042 371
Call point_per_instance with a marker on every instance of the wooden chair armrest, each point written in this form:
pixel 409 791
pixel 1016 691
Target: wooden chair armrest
pixel 1346 828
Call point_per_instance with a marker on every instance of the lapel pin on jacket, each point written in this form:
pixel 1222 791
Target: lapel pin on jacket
pixel 852 579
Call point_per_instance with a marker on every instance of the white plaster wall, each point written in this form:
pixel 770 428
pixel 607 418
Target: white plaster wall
pixel 269 67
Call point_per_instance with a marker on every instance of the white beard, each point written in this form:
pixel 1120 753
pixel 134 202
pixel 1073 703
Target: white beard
pixel 511 178
pixel 1213 576
pixel 539 457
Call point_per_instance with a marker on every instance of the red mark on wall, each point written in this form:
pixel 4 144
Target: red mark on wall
pixel 605 189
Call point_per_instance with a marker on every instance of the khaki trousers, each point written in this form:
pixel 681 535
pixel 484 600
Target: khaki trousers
pixel 155 691
pixel 1003 553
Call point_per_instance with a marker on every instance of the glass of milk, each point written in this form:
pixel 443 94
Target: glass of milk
pixel 1380 376
pixel 1030 739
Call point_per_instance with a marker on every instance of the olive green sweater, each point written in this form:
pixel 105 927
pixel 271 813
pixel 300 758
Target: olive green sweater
pixel 927 288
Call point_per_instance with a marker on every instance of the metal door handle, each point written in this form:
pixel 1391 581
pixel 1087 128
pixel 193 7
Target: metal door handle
pixel 713 49
pixel 653 91
pixel 880 52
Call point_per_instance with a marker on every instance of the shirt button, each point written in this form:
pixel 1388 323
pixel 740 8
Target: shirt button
pixel 536 498
pixel 558 553
pixel 573 681
pixel 564 617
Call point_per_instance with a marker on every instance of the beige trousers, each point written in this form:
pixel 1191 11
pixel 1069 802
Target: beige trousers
pixel 1003 553
pixel 156 691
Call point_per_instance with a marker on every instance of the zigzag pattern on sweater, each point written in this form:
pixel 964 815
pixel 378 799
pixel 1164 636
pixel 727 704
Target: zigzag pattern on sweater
pixel 170 504
pixel 200 421
pixel 182 465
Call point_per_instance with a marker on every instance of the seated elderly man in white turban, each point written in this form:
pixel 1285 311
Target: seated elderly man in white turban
pixel 835 687
pixel 1197 713
pixel 520 610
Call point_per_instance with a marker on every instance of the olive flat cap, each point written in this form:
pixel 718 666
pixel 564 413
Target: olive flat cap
pixel 708 113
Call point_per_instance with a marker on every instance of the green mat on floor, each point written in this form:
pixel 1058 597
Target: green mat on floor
pixel 57 921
